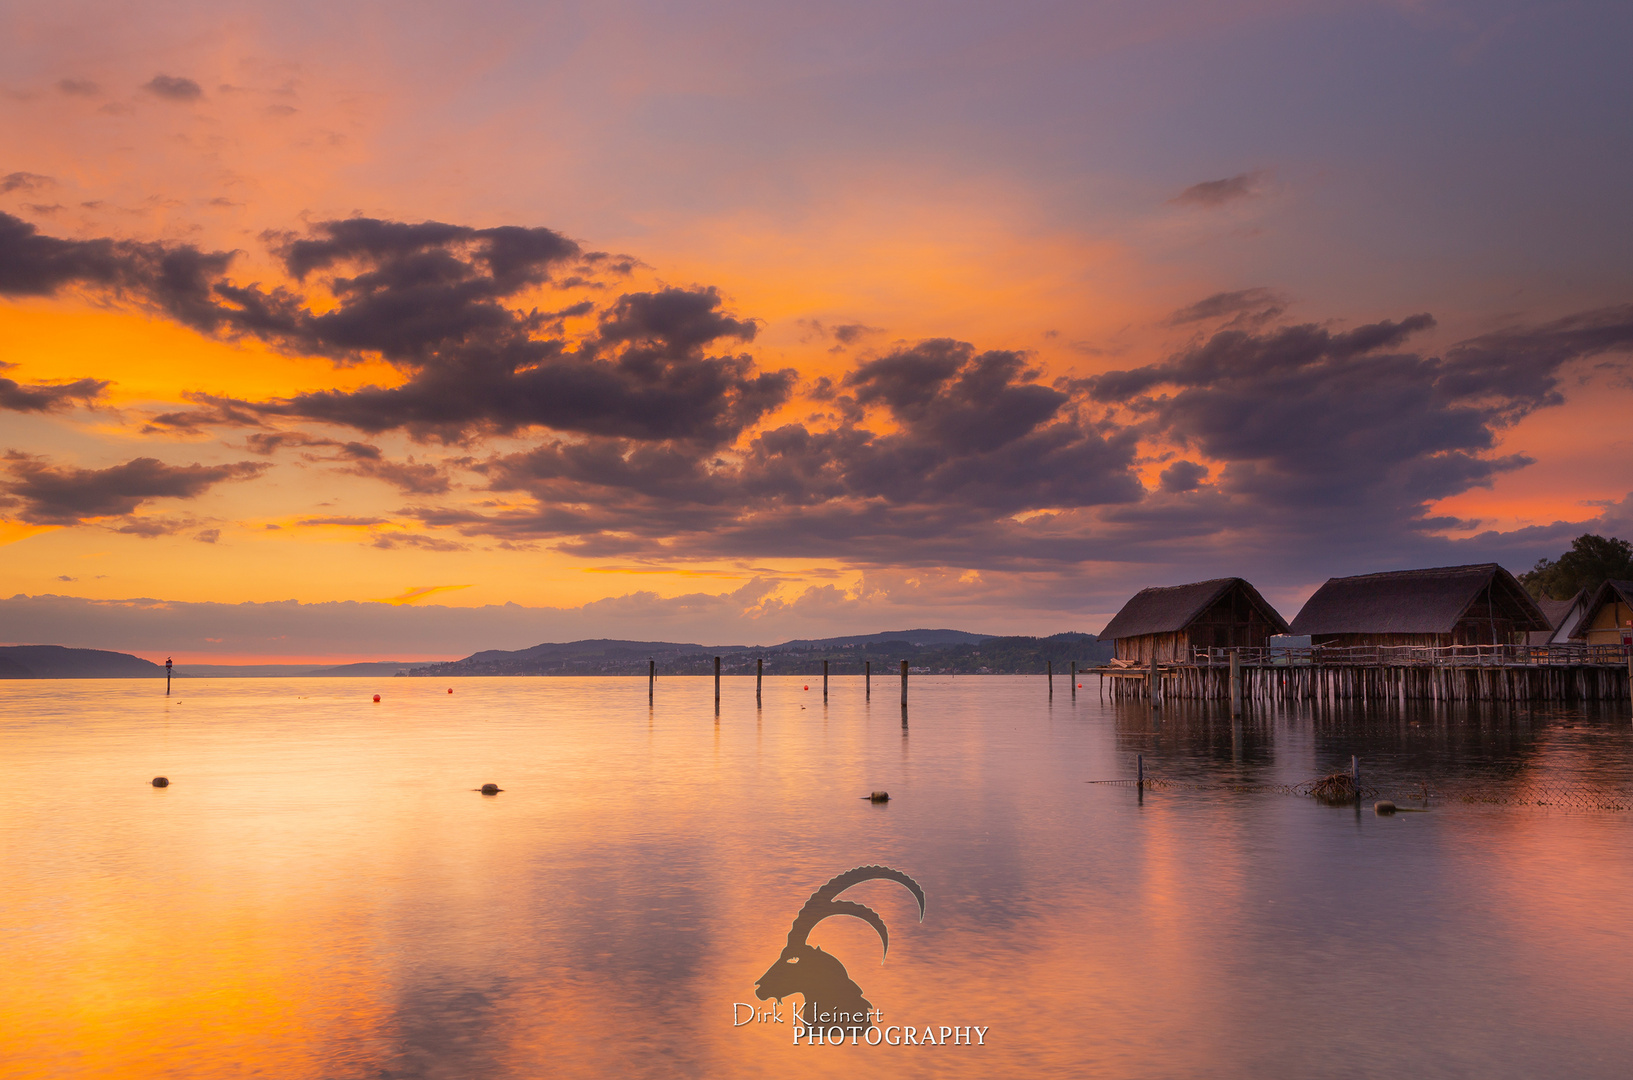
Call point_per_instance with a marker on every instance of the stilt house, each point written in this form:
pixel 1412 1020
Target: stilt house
pixel 1448 605
pixel 1169 622
pixel 1564 615
pixel 1608 617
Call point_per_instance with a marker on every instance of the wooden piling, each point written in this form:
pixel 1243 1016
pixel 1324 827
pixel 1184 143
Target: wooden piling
pixel 824 682
pixel 651 678
pixel 904 685
pixel 867 679
pixel 717 684
pixel 1235 682
pixel 1049 673
pixel 759 676
pixel 1074 680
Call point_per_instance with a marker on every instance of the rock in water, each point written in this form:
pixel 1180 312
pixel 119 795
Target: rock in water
pixel 161 781
pixel 879 796
pixel 1383 808
pixel 491 789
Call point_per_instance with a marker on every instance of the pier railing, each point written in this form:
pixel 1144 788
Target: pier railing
pixel 1571 655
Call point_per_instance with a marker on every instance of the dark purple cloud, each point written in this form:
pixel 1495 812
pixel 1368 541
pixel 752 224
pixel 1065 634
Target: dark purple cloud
pixel 24 181
pixel 1340 443
pixel 647 418
pixel 970 439
pixel 436 301
pixel 48 495
pixel 1251 306
pixel 174 88
pixel 48 397
pixel 1210 193
pixel 1183 476
pixel 410 477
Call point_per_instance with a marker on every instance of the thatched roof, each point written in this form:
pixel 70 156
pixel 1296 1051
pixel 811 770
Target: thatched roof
pixel 1413 601
pixel 1556 610
pixel 1603 595
pixel 1174 607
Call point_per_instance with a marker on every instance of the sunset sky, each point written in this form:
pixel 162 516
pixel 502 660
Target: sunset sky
pixel 403 330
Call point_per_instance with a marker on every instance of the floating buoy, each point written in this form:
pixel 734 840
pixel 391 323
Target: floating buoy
pixel 1080 686
pixel 1383 808
pixel 490 789
pixel 450 689
pixel 805 688
pixel 376 697
pixel 161 781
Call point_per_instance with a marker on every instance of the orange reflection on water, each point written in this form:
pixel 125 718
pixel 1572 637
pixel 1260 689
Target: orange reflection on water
pixel 321 891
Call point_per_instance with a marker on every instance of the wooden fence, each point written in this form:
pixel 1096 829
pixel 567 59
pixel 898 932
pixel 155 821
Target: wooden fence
pixel 1387 674
pixel 1571 655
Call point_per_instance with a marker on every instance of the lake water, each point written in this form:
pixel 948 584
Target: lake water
pixel 321 893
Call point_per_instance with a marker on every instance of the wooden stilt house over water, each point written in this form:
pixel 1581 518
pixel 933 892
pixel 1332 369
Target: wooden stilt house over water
pixel 1448 605
pixel 1167 623
pixel 1608 617
pixel 1564 615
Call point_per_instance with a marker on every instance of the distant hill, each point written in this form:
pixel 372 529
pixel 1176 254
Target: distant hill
pixel 912 637
pixel 58 662
pixel 366 669
pixel 941 651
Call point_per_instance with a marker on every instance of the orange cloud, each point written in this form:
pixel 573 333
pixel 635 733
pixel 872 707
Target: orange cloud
pixel 418 593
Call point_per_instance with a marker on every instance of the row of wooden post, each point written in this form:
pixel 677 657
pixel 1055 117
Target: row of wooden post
pixel 759 679
pixel 867 680
pixel 1236 682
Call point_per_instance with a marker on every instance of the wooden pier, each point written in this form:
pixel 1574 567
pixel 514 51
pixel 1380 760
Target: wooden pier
pixel 1384 674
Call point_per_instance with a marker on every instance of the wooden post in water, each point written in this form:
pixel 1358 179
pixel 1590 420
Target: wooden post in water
pixel 1049 672
pixel 1074 680
pixel 904 686
pixel 1355 776
pixel 759 674
pixel 1140 759
pixel 1152 689
pixel 1235 682
pixel 824 682
pixel 651 677
pixel 168 662
pixel 867 679
pixel 717 684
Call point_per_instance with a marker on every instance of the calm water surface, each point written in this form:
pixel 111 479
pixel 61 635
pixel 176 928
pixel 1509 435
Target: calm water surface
pixel 320 893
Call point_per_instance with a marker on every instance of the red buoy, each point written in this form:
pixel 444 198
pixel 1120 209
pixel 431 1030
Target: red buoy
pixel 450 689
pixel 807 688
pixel 376 697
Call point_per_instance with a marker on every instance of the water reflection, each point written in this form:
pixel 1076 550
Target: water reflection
pixel 320 893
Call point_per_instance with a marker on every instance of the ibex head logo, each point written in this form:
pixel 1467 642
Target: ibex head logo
pixel 818 976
